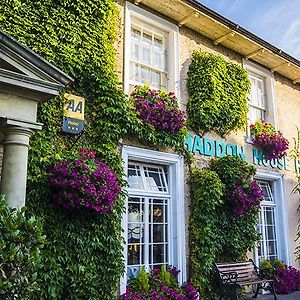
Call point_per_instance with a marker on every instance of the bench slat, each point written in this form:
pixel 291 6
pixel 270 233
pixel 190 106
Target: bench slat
pixel 236 268
pixel 233 264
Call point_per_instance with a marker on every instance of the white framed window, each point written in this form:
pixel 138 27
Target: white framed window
pixel 272 224
pixel 151 51
pixel 154 222
pixel 261 100
pixel 268 244
pixel 148 55
pixel 257 98
pixel 148 239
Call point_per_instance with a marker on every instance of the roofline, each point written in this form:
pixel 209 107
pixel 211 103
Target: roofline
pixel 236 27
pixel 34 58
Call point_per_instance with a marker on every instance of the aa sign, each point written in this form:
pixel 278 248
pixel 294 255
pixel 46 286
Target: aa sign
pixel 74 107
pixel 73 121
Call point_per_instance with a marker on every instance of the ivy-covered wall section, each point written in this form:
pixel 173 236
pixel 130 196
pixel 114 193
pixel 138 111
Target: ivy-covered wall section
pixel 224 215
pixel 218 94
pixel 82 258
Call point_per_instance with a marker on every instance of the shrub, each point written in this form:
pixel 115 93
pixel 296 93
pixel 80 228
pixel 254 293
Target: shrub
pixel 271 142
pixel 160 284
pixel 218 94
pixel 84 182
pixel 21 240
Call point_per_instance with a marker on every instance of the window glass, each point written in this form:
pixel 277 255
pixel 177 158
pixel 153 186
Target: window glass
pixel 148 223
pixel 257 99
pixel 267 247
pixel 148 59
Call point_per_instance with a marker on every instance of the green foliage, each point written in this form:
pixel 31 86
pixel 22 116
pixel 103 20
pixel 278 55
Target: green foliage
pixel 21 241
pixel 83 256
pixel 140 283
pixel 238 234
pixel 215 233
pixel 295 154
pixel 218 94
pixel 165 276
pixel 207 191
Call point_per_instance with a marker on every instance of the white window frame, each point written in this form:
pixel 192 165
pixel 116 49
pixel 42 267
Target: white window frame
pixel 270 103
pixel 276 180
pixel 134 12
pixel 175 164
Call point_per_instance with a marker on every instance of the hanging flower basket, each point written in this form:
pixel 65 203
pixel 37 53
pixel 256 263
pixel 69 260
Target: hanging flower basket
pixel 84 182
pixel 158 108
pixel 244 197
pixel 271 142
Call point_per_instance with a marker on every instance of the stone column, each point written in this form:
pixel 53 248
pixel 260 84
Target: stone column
pixel 14 168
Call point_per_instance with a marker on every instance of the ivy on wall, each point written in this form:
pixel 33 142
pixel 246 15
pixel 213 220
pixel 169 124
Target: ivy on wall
pixel 216 234
pixel 83 255
pixel 218 94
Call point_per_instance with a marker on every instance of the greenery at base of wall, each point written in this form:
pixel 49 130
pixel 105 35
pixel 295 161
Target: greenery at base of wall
pixel 218 94
pixel 215 233
pixel 21 242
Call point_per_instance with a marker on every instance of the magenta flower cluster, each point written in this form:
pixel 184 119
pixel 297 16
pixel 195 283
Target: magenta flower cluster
pixel 161 290
pixel 84 182
pixel 158 108
pixel 271 142
pixel 286 278
pixel 245 197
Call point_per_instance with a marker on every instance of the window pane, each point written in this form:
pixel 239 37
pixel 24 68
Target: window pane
pixel 133 271
pixel 267 248
pixel 158 253
pixel 155 179
pixel 158 213
pixel 148 50
pixel 158 233
pixel 145 74
pixel 134 179
pixel 134 254
pixel 135 34
pixel 135 50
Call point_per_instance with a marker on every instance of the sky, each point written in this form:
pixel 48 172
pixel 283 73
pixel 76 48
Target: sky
pixel 275 21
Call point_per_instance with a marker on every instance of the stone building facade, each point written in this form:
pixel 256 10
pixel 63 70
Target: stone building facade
pixel 180 27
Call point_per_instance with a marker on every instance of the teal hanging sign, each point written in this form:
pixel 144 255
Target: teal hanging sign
pixel 209 147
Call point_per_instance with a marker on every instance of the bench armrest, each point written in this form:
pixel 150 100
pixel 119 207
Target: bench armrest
pixel 228 277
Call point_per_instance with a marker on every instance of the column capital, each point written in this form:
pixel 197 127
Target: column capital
pixel 16 135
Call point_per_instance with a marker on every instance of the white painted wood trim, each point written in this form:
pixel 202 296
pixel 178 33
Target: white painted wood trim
pixel 281 212
pixel 270 89
pixel 176 164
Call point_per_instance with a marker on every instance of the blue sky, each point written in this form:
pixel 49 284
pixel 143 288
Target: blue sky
pixel 276 21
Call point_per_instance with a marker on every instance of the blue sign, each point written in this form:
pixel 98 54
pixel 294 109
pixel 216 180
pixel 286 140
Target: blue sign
pixel 71 125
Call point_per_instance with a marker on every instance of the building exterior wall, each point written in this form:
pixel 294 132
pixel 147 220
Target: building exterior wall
pixel 287 112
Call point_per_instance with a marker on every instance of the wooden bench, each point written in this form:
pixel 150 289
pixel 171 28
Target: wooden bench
pixel 235 275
